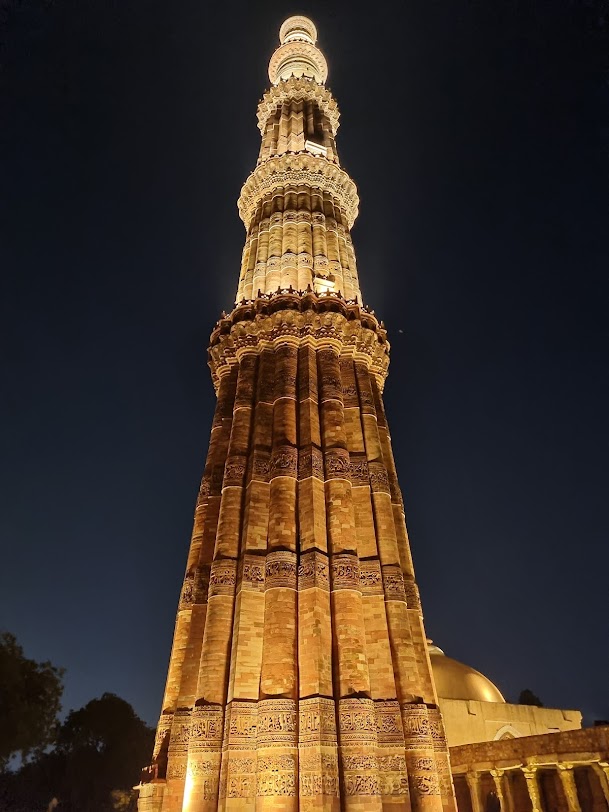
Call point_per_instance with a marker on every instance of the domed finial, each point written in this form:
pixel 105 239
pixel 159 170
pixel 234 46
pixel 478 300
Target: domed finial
pixel 297 55
pixel 298 28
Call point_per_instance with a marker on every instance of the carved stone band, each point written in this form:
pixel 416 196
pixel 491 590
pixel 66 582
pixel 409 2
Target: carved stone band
pixel 284 461
pixel 359 470
pixel 297 169
pixel 234 471
pixel 311 319
pixel 436 728
pixel 356 721
pixel 241 725
pixel 313 571
pixel 180 732
pixel 314 784
pixel 223 577
pixel 261 466
pixel 379 481
pixel 280 570
pixel 195 588
pixel 370 579
pixel 162 732
pixel 337 464
pixel 275 784
pixel 277 724
pixel 252 573
pixel 276 775
pixel 317 717
pixel 388 723
pixel 393 582
pixel 311 463
pixel 345 571
pixel 415 720
pixel 206 726
pixel 413 599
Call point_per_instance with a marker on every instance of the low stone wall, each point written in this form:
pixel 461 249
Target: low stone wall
pixel 539 749
pixel 468 720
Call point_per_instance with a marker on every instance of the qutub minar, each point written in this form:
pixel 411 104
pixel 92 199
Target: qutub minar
pixel 299 676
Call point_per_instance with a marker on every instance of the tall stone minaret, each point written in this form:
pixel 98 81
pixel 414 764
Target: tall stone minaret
pixel 299 677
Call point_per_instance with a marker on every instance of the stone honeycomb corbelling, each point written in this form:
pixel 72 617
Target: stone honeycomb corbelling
pixel 298 58
pixel 293 170
pixel 302 318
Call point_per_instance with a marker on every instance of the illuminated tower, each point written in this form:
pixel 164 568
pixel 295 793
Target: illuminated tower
pixel 299 677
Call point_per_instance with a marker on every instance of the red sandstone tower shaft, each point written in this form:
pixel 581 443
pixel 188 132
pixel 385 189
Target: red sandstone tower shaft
pixel 299 677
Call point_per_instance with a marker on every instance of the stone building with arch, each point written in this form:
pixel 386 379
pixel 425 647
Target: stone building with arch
pixel 475 710
pixel 507 757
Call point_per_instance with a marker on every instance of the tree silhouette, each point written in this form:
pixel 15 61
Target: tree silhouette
pixel 527 697
pixel 29 702
pixel 97 759
pixel 104 746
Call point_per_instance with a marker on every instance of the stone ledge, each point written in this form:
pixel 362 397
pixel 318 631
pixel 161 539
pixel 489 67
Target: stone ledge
pixel 293 170
pixel 299 317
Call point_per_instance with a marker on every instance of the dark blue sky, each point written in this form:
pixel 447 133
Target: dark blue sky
pixel 478 135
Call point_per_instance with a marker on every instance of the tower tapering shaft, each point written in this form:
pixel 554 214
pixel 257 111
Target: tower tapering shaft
pixel 299 677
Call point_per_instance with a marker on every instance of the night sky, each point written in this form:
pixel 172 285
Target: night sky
pixel 477 132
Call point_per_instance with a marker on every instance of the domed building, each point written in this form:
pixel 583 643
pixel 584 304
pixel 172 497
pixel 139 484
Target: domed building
pixel 455 680
pixel 475 710
pixel 517 758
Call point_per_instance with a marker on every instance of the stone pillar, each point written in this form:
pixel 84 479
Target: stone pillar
pixel 530 775
pixel 151 796
pixel 498 778
pixel 475 791
pixel 567 779
pixel 601 768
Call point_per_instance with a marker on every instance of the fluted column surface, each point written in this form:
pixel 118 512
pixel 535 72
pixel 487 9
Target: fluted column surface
pixel 299 677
